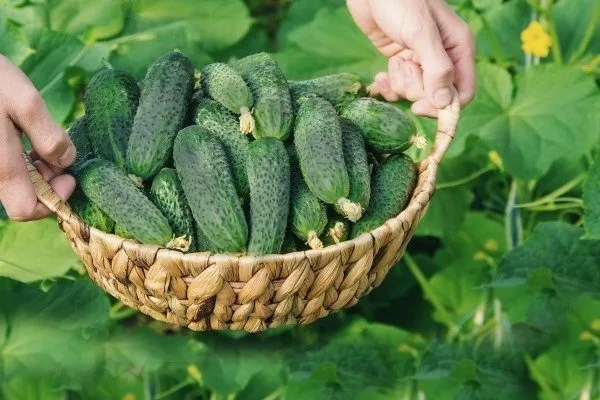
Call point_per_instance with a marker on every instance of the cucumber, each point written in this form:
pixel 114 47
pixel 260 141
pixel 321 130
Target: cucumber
pixel 339 89
pixel 90 213
pixel 308 215
pixel 318 143
pixel 164 102
pixel 122 232
pixel 355 158
pixel 337 229
pixel 273 110
pixel 201 164
pixel 79 135
pixel 269 178
pixel 112 190
pixel 167 194
pixel 222 124
pixel 392 186
pixel 225 85
pixel 385 128
pixel 111 100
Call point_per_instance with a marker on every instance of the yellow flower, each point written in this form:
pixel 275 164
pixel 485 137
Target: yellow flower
pixel 495 158
pixel 491 245
pixel 535 40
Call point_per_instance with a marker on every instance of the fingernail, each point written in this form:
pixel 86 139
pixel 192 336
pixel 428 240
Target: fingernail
pixel 68 156
pixel 442 97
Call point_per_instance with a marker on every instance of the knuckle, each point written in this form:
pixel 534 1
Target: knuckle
pixel 52 146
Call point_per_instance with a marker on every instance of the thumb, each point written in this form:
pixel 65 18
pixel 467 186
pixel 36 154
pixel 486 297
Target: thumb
pixel 438 69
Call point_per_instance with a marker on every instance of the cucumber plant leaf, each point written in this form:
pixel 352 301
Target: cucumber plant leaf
pixel 591 201
pixel 14 44
pixel 92 21
pixel 534 120
pixel 573 19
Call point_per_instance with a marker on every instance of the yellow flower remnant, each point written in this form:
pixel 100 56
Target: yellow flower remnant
pixel 535 40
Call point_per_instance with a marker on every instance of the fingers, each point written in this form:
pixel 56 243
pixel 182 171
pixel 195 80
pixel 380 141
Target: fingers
pixel 27 110
pixel 406 78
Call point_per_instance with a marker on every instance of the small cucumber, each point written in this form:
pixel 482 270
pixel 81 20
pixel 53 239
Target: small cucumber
pixel 122 232
pixel 225 85
pixel 337 229
pixel 318 143
pixel 79 135
pixel 90 213
pixel 114 192
pixel 385 128
pixel 166 95
pixel 222 124
pixel 167 194
pixel 273 110
pixel 355 158
pixel 391 188
pixel 269 178
pixel 308 215
pixel 201 164
pixel 111 100
pixel 338 89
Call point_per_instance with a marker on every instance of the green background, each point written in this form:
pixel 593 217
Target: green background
pixel 497 298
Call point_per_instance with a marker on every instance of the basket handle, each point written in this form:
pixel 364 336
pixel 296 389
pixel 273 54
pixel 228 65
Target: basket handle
pixel 446 130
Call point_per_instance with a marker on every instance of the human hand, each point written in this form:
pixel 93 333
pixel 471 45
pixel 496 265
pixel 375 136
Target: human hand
pixel 22 109
pixel 429 49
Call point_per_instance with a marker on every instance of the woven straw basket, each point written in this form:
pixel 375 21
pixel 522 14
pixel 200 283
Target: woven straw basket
pixel 205 291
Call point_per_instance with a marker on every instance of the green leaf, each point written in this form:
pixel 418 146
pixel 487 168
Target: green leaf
pixel 50 256
pixel 52 335
pixel 14 44
pixel 96 20
pixel 538 125
pixel 572 19
pixel 591 201
pixel 320 47
pixel 24 388
pixel 557 247
pixel 301 13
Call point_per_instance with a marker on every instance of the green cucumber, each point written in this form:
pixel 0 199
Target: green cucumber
pixel 122 232
pixel 202 167
pixel 355 158
pixel 337 229
pixel 273 110
pixel 79 135
pixel 89 212
pixel 269 178
pixel 318 143
pixel 339 89
pixel 163 108
pixel 114 192
pixel 222 124
pixel 308 215
pixel 225 85
pixel 111 100
pixel 391 189
pixel 167 194
pixel 386 129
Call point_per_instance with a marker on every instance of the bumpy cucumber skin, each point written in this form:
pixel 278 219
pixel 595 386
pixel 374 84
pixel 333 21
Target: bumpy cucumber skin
pixel 225 85
pixel 201 164
pixel 307 213
pixel 334 218
pixel 79 135
pixel 90 213
pixel 339 89
pixel 122 232
pixel 269 178
pixel 167 194
pixel 162 111
pixel 355 158
pixel 115 193
pixel 385 128
pixel 318 143
pixel 391 189
pixel 273 110
pixel 111 100
pixel 223 125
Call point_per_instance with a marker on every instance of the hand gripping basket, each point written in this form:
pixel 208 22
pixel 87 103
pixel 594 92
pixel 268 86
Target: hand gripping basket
pixel 205 291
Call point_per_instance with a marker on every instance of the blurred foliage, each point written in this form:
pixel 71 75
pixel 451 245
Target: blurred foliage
pixel 497 298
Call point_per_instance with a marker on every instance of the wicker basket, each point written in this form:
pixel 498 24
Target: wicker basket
pixel 205 291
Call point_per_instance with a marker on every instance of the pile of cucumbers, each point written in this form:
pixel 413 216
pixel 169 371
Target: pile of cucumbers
pixel 237 159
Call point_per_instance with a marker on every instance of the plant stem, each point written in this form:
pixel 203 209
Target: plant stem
pixel 554 207
pixel 173 389
pixel 513 225
pixel 552 196
pixel 587 37
pixel 466 179
pixel 429 291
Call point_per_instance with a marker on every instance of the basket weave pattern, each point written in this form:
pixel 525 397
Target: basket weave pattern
pixel 206 291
